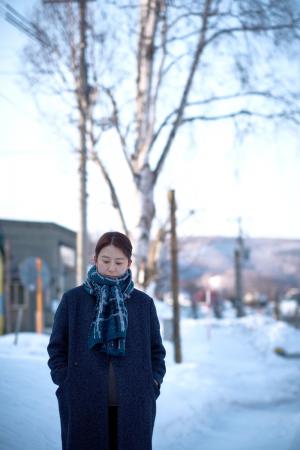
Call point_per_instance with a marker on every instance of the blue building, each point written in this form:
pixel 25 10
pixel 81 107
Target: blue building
pixel 21 243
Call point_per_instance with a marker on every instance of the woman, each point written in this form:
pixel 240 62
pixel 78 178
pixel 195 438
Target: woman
pixel 106 356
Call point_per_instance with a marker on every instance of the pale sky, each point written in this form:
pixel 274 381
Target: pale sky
pixel 39 171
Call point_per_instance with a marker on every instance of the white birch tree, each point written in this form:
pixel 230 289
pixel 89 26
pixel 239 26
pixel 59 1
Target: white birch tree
pixel 181 41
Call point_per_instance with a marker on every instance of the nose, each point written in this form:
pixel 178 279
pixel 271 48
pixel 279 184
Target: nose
pixel 111 268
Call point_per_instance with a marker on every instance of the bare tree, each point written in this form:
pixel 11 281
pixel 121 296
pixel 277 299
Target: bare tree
pixel 156 65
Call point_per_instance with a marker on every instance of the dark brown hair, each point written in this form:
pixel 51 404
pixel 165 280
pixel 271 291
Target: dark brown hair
pixel 117 239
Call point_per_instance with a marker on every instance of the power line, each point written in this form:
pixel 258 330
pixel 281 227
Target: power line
pixel 20 22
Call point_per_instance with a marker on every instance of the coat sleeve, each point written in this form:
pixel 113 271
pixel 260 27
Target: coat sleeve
pixel 58 344
pixel 158 351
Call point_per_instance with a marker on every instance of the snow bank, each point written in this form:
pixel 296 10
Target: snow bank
pixel 29 346
pixel 267 334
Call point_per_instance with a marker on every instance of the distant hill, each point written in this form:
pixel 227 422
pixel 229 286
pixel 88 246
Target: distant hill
pixel 273 265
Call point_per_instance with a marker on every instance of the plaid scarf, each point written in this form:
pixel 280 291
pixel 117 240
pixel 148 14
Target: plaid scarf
pixel 109 326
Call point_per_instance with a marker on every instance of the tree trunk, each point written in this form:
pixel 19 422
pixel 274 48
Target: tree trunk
pixel 143 175
pixel 145 212
pixel 146 49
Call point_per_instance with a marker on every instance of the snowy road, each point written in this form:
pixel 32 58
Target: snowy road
pixel 257 427
pixel 240 395
pixel 230 393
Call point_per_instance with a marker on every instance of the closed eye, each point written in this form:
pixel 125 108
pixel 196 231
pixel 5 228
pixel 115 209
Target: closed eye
pixel 108 262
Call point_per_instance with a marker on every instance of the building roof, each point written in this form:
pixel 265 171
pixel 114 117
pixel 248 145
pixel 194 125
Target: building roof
pixel 8 223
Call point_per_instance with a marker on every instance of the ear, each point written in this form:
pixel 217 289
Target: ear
pixel 95 259
pixel 129 263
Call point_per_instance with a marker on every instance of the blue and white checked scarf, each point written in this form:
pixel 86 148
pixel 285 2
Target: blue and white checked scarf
pixel 109 326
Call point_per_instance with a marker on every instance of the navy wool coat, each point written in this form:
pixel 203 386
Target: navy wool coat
pixel 82 374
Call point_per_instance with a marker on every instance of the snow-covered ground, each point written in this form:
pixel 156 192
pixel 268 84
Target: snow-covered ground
pixel 232 392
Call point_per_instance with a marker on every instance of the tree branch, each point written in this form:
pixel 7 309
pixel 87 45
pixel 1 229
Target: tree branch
pixel 116 121
pixel 114 197
pixel 187 88
pixel 165 122
pixel 146 50
pixel 246 112
pixel 253 29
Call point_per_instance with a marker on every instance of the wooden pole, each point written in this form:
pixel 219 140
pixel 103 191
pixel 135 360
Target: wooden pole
pixel 39 298
pixel 175 289
pixel 82 237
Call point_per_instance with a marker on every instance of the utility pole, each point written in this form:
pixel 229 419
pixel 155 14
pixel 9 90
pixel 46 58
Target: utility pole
pixel 83 105
pixel 174 263
pixel 82 236
pixel 240 254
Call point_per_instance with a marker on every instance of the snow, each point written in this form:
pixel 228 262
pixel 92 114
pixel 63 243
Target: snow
pixel 288 307
pixel 231 392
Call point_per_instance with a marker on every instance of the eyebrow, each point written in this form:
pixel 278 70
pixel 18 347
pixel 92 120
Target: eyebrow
pixel 116 259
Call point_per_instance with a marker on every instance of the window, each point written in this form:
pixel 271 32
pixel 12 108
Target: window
pixel 67 255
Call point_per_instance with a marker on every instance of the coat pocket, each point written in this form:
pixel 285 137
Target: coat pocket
pixel 59 375
pixel 156 390
pixel 61 379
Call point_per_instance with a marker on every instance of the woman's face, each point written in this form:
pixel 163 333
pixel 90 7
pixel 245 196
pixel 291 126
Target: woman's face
pixel 112 262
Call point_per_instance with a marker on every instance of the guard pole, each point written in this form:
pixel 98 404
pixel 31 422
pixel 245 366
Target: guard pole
pixel 39 298
pixel 208 304
pixel 7 286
